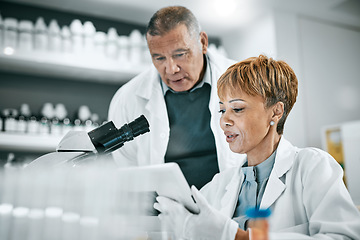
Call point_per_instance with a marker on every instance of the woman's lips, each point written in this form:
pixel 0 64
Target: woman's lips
pixel 230 137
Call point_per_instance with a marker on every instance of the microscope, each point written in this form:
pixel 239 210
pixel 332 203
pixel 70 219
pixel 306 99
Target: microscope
pixel 79 147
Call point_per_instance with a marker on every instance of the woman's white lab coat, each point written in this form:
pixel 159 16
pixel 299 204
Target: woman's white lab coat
pixel 143 95
pixel 305 192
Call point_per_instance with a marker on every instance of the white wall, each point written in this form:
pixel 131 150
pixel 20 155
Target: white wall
pixel 324 55
pixel 331 70
pixel 257 38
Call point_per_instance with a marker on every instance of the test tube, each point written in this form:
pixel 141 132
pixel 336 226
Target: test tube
pixel 258 223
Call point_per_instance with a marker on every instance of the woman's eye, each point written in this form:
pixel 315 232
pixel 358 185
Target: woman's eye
pixel 159 58
pixel 221 111
pixel 238 109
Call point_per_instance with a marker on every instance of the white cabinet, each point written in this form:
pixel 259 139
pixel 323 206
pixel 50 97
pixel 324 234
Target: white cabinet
pixel 70 66
pixel 28 143
pixel 66 66
pixel 84 67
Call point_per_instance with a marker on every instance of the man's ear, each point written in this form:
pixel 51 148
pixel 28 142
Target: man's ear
pixel 204 42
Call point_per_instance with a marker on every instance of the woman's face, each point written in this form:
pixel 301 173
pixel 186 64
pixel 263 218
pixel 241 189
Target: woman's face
pixel 245 122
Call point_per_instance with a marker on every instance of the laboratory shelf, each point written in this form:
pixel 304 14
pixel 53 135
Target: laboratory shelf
pixel 70 66
pixel 28 143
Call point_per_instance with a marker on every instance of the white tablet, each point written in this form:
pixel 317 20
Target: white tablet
pixel 166 179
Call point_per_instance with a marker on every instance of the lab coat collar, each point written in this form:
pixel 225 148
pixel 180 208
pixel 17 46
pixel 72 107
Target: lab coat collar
pixel 283 162
pixel 229 200
pixel 155 105
pixel 146 90
pixel 151 92
pixel 284 159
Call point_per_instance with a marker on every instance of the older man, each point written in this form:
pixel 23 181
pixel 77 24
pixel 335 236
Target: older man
pixel 178 97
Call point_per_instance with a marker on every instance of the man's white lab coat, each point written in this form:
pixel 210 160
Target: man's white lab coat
pixel 305 193
pixel 143 95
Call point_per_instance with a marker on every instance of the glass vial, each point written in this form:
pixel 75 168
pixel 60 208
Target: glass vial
pixel 258 223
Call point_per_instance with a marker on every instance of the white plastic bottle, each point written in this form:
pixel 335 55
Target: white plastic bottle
pixel 11 33
pixel 135 47
pixel 58 122
pixel 10 122
pixel 24 118
pixel 66 41
pixel 48 113
pixel 99 44
pixel 77 32
pixel 83 114
pixel 1 31
pixel 26 32
pixel 112 44
pixel 1 122
pixel 33 125
pixel 146 57
pixel 54 37
pixel 40 35
pixel 95 119
pixel 123 50
pixel 89 33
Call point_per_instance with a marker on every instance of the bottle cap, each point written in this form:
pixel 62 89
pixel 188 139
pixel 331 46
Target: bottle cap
pixel 54 27
pixel 95 117
pixel 135 37
pixel 65 32
pixel 25 110
pixel 84 113
pixel 76 27
pixel 60 111
pixel 89 29
pixel 40 24
pixel 48 110
pixel 10 23
pixel 26 25
pixel 112 34
pixel 258 213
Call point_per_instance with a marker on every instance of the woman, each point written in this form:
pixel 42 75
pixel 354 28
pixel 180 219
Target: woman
pixel 303 188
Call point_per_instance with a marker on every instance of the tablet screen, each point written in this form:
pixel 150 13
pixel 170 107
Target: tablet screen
pixel 165 179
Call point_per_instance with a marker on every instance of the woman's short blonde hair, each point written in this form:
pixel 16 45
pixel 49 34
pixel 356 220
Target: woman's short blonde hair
pixel 274 81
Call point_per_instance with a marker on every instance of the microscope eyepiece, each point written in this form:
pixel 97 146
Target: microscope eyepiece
pixel 139 126
pixel 108 138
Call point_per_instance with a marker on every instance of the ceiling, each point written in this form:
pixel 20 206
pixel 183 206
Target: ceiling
pixel 215 16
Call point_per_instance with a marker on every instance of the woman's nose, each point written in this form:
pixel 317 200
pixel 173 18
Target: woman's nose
pixel 225 121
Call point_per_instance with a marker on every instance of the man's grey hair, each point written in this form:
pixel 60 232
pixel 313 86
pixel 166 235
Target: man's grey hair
pixel 168 18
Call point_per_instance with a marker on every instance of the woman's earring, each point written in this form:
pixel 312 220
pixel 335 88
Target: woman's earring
pixel 272 123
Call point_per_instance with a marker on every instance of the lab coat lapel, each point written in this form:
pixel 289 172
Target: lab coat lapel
pixel 229 200
pixel 158 119
pixel 283 162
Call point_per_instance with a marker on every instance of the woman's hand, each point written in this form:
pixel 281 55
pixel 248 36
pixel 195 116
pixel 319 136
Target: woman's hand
pixel 172 215
pixel 208 224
